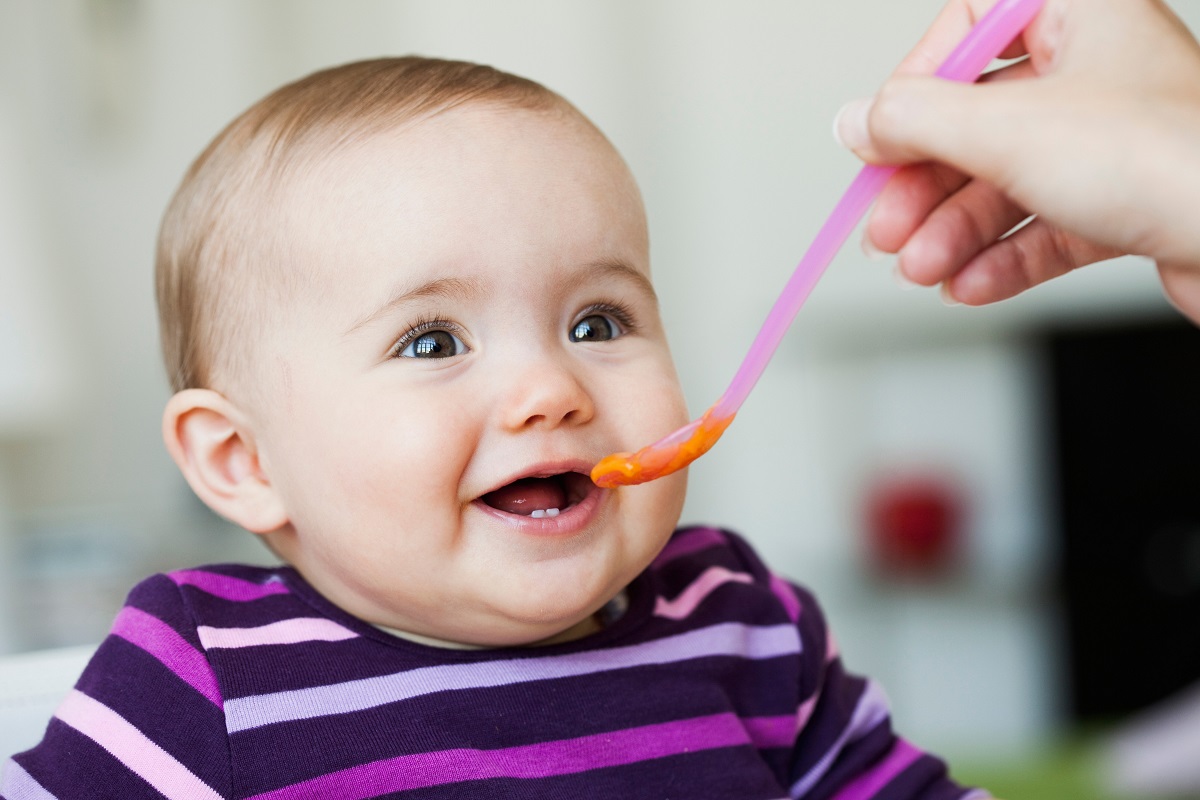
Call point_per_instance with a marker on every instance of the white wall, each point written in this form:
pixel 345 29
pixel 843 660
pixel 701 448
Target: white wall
pixel 723 110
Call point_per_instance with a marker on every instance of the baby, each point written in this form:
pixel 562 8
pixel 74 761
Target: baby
pixel 462 612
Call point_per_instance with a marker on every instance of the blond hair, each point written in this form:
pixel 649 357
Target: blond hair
pixel 217 259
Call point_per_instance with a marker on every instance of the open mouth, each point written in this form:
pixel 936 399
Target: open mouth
pixel 540 497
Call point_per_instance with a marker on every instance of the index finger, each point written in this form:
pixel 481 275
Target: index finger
pixel 952 24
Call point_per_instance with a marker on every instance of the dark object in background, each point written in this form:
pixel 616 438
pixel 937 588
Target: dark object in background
pixel 1125 424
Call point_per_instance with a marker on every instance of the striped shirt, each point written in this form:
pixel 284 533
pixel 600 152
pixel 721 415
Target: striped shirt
pixel 719 681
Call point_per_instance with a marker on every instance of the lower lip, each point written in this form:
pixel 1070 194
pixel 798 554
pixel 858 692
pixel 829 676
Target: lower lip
pixel 569 521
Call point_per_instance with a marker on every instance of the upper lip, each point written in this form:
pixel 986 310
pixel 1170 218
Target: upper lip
pixel 544 469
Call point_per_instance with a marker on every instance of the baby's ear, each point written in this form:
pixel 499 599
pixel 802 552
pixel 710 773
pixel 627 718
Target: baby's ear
pixel 214 447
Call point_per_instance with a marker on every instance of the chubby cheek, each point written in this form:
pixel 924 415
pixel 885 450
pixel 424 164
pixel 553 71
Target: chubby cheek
pixel 380 470
pixel 411 460
pixel 648 409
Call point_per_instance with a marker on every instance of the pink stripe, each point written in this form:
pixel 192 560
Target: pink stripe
pixel 161 641
pixel 692 541
pixel 868 784
pixel 288 631
pixel 130 746
pixel 564 757
pixel 870 710
pixel 687 600
pixel 779 731
pixel 791 603
pixel 768 732
pixel 225 587
pixel 804 712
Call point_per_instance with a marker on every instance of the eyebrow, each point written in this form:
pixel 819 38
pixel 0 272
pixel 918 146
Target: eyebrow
pixel 445 288
pixel 465 288
pixel 620 269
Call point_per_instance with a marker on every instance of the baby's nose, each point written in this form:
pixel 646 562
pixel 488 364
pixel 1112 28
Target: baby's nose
pixel 546 393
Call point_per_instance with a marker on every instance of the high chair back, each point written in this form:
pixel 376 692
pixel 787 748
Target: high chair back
pixel 31 687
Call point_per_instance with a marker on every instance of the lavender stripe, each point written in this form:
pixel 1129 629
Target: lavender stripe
pixel 17 784
pixel 692 541
pixel 871 709
pixel 162 641
pixel 546 759
pixel 726 639
pixel 226 587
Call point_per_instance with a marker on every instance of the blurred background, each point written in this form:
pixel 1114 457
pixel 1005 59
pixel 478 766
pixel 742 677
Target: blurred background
pixel 998 507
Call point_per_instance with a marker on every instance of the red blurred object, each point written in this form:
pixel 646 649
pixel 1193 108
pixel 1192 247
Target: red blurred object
pixel 914 526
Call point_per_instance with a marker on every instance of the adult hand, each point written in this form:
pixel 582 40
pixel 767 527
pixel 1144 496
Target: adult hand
pixel 1097 133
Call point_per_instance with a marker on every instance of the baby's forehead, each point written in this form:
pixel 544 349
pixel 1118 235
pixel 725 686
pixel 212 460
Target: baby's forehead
pixel 453 135
pixel 475 184
pixel 446 164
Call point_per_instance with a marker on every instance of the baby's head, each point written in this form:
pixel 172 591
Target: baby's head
pixel 406 306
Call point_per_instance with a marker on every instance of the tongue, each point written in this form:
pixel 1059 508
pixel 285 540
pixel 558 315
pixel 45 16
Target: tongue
pixel 528 495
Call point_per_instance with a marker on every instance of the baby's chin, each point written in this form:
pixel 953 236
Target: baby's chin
pixel 547 616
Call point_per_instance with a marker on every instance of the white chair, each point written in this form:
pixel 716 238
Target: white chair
pixel 1157 754
pixel 31 687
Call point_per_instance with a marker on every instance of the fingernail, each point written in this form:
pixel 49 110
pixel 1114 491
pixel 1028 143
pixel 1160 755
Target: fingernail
pixel 947 298
pixel 850 124
pixel 902 280
pixel 872 252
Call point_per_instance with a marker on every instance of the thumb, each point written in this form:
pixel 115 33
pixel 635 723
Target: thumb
pixel 967 126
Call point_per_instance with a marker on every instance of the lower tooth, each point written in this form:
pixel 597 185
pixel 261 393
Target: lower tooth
pixel 551 512
pixel 537 513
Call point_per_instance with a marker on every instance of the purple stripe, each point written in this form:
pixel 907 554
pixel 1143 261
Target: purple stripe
pixel 868 784
pixel 692 541
pixel 162 641
pixel 547 759
pixel 226 587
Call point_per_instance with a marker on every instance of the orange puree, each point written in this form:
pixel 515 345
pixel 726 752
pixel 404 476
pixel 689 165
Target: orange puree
pixel 655 461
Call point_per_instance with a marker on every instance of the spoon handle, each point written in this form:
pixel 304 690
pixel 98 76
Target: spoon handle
pixel 998 28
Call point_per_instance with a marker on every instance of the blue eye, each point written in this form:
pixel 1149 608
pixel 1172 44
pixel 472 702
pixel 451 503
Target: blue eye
pixel 595 328
pixel 433 344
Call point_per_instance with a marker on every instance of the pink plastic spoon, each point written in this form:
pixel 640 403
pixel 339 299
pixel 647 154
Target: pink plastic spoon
pixel 675 451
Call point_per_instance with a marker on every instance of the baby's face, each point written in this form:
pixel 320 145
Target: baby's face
pixel 480 329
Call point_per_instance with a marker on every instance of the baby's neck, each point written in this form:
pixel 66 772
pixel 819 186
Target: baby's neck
pixel 594 623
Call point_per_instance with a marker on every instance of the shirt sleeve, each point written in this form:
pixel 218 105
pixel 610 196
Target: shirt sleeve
pixel 145 719
pixel 846 747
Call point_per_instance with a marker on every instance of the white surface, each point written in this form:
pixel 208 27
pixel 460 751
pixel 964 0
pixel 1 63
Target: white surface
pixel 33 366
pixel 1158 753
pixel 31 687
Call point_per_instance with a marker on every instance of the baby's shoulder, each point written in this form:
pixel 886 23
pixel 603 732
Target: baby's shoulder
pixel 701 547
pixel 218 594
pixel 701 564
